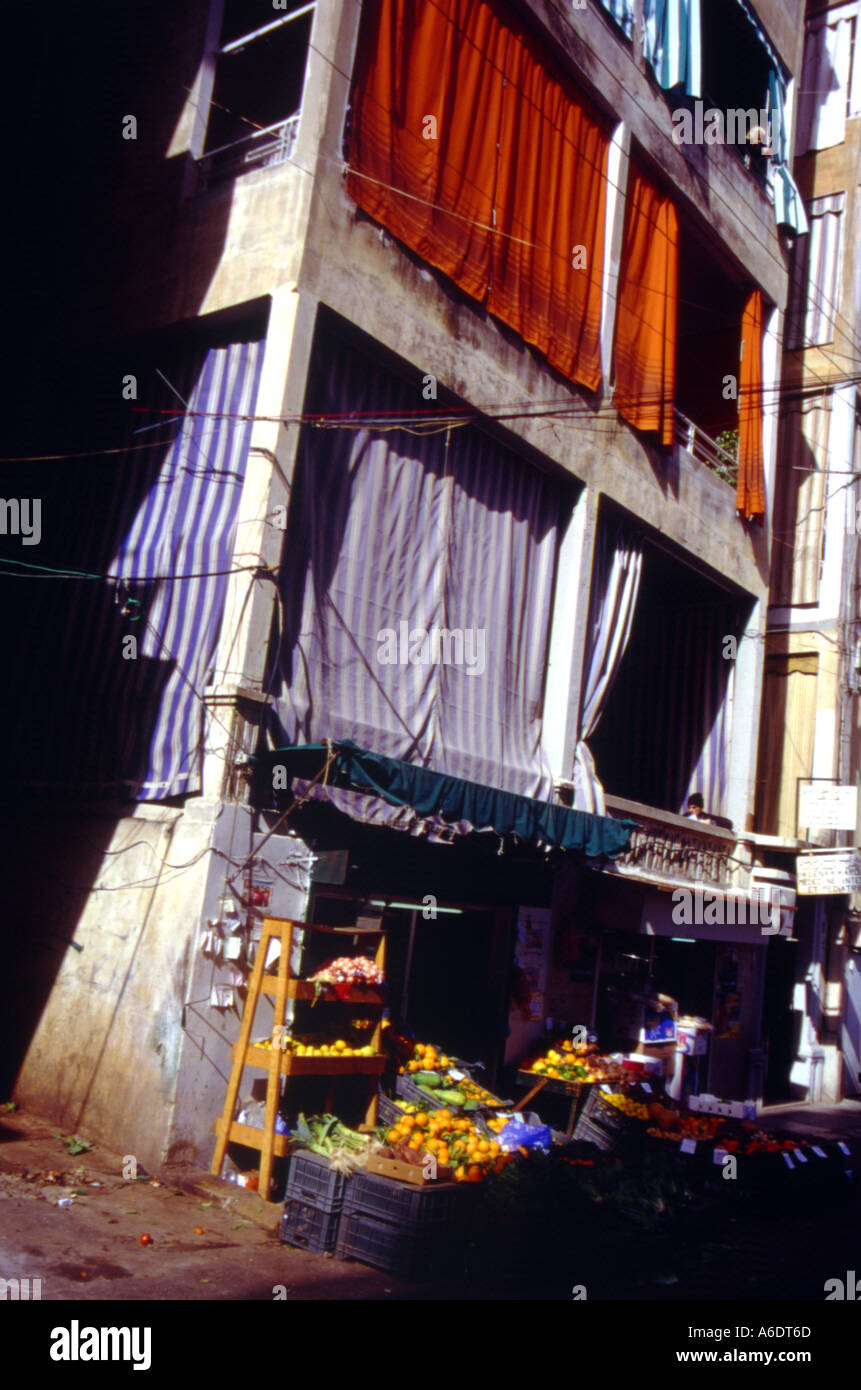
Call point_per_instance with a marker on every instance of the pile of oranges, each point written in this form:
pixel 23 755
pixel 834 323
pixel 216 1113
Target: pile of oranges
pixel 426 1057
pixel 453 1142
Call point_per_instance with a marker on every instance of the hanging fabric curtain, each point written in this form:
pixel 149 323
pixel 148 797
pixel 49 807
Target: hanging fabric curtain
pixel 616 571
pixel 623 13
pixel 186 527
pixel 647 309
pixel 788 205
pixel 703 735
pixel 799 527
pixel 418 596
pixel 548 254
pixel 425 116
pixel 750 492
pixel 672 43
pixel 159 523
pixel 475 150
pixel 824 82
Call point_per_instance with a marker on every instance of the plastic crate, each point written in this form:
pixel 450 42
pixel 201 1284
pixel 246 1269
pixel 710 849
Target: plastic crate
pixel 388 1113
pixel 417 1209
pixel 398 1250
pixel 310 1179
pixel 588 1133
pixel 406 1088
pixel 309 1227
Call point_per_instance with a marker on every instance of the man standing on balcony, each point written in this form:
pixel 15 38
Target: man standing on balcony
pixel 696 807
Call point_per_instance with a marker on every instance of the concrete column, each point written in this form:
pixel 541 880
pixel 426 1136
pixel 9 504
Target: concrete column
pixel 260 529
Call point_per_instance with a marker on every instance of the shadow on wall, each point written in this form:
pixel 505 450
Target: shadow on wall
pixel 55 868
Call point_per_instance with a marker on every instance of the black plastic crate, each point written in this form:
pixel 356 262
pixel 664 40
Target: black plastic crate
pixel 589 1133
pixel 400 1251
pixel 408 1090
pixel 309 1227
pixel 416 1209
pixel 388 1113
pixel 310 1179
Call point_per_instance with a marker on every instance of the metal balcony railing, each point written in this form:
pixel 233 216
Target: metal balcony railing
pixel 260 150
pixel 701 446
pixel 669 849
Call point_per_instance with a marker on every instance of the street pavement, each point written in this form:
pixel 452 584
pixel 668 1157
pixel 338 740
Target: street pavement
pixel 74 1222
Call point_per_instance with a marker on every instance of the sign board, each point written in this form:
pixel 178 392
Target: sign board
pixel 827 806
pixel 829 871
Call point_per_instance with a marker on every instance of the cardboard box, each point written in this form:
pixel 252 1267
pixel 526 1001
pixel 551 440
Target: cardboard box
pixel 406 1172
pixel 707 1104
pixel 664 1053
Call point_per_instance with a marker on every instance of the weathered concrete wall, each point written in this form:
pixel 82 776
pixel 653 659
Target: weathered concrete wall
pixel 104 1056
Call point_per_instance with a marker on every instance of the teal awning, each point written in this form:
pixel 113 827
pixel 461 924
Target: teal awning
pixel 436 794
pixel 788 206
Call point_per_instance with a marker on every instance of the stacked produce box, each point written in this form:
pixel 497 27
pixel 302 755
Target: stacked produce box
pixel 313 1203
pixel 411 1232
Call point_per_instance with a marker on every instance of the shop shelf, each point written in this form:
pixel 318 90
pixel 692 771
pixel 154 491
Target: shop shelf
pixel 311 1179
pixel 417 1209
pixel 315 1066
pixel 309 1227
pixel 306 989
pixel 398 1250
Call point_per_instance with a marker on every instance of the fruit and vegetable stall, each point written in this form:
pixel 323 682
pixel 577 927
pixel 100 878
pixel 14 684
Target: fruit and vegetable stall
pixel 400 1188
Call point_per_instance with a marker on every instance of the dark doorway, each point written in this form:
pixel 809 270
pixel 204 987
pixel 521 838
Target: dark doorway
pixel 780 1022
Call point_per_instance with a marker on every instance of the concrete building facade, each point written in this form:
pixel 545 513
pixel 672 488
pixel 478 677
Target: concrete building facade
pixel 117 1028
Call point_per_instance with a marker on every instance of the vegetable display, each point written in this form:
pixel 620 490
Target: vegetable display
pixel 453 1141
pixel 565 1062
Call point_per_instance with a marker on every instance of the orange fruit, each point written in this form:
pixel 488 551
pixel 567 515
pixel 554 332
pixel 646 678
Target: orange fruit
pixel 443 1155
pixel 408 1122
pixel 421 1119
pixel 474 1173
pixel 393 1136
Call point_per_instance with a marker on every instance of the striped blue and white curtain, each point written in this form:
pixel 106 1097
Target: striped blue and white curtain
pixel 616 571
pixel 623 13
pixel 672 43
pixel 152 530
pixel 398 534
pixel 788 206
pixel 172 568
pixel 814 288
pixel 705 726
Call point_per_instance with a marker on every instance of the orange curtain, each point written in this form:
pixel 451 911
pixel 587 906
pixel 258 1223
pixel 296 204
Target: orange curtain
pixel 750 494
pixel 647 309
pixel 505 181
pixel 547 262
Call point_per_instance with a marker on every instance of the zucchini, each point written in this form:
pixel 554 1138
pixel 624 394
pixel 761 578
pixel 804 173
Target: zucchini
pixel 427 1080
pixel 455 1098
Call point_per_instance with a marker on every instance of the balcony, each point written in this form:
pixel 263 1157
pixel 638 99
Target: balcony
pixel 700 445
pixel 671 851
pixel 260 150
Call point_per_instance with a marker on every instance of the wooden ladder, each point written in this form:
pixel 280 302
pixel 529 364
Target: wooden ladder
pixel 275 1061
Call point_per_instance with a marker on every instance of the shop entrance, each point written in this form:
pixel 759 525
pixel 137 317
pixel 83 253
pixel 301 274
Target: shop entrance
pixel 781 1025
pixel 448 977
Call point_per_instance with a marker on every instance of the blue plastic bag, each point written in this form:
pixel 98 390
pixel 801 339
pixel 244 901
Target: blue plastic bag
pixel 518 1134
